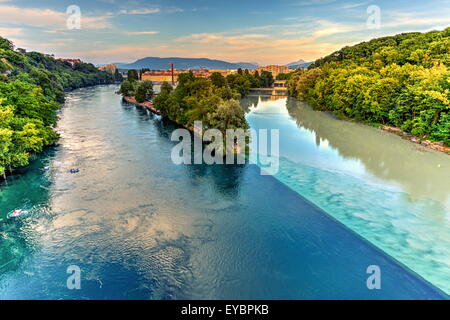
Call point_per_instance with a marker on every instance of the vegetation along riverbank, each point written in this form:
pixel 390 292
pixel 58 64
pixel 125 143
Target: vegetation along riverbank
pixel 399 83
pixel 32 87
pixel 214 101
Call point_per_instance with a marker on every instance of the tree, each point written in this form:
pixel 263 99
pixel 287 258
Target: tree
pixel 132 75
pixel 166 87
pixel 239 83
pixel 283 76
pixel 199 99
pixel 6 44
pixel 118 76
pixel 5 145
pixel 441 130
pixel 218 80
pixel 266 79
pixel 144 91
pixel 228 115
pixel 127 88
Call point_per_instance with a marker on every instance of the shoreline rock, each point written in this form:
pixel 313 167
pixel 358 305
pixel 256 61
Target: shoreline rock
pixel 145 104
pixel 437 146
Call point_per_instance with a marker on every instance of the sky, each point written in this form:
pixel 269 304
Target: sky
pixel 259 31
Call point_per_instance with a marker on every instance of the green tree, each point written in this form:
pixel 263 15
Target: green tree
pixel 266 79
pixel 166 87
pixel 132 75
pixel 144 91
pixel 240 83
pixel 228 115
pixel 6 44
pixel 218 80
pixel 283 76
pixel 127 88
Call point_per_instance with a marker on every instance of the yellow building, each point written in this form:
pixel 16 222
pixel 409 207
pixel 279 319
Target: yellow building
pixel 111 68
pixel 275 70
pixel 160 76
pixel 222 71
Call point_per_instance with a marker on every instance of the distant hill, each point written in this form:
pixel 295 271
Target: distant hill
pixel 156 63
pixel 247 65
pixel 300 64
pixel 296 63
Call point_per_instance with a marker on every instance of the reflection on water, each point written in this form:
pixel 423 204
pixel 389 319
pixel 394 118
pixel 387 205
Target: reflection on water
pixel 141 227
pixel 393 192
pixel 422 173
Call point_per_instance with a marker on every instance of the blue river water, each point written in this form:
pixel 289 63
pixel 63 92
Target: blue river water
pixel 141 227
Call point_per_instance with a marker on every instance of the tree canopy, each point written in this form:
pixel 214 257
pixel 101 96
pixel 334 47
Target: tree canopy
pixel 213 101
pixel 401 81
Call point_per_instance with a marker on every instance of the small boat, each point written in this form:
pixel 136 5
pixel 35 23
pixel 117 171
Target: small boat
pixel 17 213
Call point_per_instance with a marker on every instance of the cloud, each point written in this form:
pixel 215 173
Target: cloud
pixel 354 5
pixel 140 11
pixel 327 28
pixel 151 10
pixel 140 33
pixel 401 19
pixel 113 54
pixel 173 10
pixel 41 46
pixel 11 32
pixel 259 47
pixel 47 18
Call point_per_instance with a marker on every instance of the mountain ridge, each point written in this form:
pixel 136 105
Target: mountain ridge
pixel 300 64
pixel 158 63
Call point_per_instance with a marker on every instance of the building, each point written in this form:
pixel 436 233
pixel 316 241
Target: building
pixel 279 84
pixel 223 72
pixel 275 70
pixel 166 75
pixel 71 61
pixel 161 75
pixel 202 73
pixel 111 68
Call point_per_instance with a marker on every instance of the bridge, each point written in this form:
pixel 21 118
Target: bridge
pixel 278 89
pixel 270 91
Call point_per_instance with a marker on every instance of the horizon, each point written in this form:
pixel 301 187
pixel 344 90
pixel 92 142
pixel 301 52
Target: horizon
pixel 114 31
pixel 178 57
pixel 125 31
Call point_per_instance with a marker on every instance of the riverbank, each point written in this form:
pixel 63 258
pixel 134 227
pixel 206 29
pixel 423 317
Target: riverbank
pixel 149 105
pixel 434 145
pixel 438 146
pixel 146 104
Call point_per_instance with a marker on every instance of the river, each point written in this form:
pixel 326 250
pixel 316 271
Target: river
pixel 138 226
